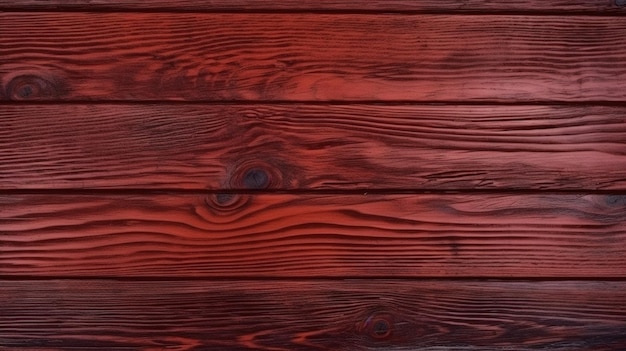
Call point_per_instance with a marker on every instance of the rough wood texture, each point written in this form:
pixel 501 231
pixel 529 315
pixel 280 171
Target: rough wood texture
pixel 453 6
pixel 314 235
pixel 253 174
pixel 312 147
pixel 306 57
pixel 320 315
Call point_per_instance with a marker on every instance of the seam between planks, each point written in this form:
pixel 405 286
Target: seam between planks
pixel 356 192
pixel 61 9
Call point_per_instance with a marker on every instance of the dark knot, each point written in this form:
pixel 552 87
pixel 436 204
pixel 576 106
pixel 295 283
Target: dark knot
pixel 32 87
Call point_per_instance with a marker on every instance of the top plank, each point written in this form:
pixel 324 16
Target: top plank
pixel 311 57
pixel 576 6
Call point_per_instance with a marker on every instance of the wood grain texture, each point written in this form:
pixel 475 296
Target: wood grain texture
pixel 320 315
pixel 526 6
pixel 304 147
pixel 313 235
pixel 311 57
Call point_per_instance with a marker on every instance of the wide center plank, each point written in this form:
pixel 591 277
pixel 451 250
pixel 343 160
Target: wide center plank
pixel 227 235
pixel 311 57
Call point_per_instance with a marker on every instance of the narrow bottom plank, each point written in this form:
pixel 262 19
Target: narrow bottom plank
pixel 313 315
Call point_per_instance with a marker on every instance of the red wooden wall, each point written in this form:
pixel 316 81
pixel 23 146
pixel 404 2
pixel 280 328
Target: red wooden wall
pixel 299 175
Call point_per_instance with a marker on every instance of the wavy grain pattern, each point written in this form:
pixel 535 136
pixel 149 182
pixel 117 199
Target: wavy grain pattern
pixel 321 315
pixel 453 6
pixel 311 57
pixel 314 235
pixel 305 147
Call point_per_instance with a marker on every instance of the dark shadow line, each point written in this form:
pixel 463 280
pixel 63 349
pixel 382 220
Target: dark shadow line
pixel 305 192
pixel 580 103
pixel 614 11
pixel 300 278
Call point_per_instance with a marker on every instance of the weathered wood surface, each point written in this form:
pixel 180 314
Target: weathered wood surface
pixel 313 235
pixel 451 6
pixel 306 147
pixel 313 315
pixel 228 214
pixel 311 57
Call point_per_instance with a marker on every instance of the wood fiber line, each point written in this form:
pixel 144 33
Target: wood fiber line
pixel 313 236
pixel 310 147
pixel 311 57
pixel 530 6
pixel 320 315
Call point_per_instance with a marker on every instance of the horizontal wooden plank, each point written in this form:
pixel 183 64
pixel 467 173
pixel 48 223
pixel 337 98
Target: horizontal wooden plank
pixel 312 147
pixel 313 235
pixel 529 6
pixel 311 57
pixel 320 315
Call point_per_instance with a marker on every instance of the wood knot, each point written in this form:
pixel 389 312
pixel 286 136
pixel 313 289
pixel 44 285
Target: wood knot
pixel 378 326
pixel 33 87
pixel 616 200
pixel 256 178
pixel 256 175
pixel 224 203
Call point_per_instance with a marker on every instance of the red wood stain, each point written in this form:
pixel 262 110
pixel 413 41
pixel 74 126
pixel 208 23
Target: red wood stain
pixel 298 175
